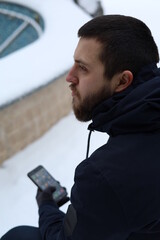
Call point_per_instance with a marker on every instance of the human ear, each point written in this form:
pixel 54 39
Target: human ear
pixel 124 80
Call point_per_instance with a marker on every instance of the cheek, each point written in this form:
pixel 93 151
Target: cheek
pixel 90 84
pixel 84 89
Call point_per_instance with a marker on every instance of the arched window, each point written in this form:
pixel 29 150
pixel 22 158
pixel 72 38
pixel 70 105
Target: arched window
pixel 19 26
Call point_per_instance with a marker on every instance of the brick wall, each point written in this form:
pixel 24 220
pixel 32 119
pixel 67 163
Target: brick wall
pixel 27 119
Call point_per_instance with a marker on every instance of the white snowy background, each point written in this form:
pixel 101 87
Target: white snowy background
pixel 63 147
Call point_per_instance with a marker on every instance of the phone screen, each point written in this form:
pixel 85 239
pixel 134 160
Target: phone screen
pixel 41 177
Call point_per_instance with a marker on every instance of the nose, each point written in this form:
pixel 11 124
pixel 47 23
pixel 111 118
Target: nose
pixel 71 76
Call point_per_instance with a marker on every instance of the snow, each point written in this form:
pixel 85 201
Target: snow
pixel 59 150
pixel 62 148
pixel 49 56
pixel 52 53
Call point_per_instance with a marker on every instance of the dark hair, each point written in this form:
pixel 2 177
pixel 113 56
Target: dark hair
pixel 127 43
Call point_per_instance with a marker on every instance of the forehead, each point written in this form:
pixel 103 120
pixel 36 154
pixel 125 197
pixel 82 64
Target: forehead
pixel 88 50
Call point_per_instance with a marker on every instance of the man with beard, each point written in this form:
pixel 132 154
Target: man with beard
pixel 115 83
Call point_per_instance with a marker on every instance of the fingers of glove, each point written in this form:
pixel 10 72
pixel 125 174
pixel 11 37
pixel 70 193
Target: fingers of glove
pixel 47 191
pixel 50 190
pixel 38 193
pixel 46 195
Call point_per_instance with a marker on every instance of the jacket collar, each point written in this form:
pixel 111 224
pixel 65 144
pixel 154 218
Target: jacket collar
pixel 133 110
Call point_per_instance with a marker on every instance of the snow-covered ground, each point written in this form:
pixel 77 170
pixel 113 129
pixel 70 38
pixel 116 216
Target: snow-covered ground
pixel 49 56
pixel 64 146
pixel 59 150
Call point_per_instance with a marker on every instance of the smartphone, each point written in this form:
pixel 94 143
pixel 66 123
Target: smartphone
pixel 43 179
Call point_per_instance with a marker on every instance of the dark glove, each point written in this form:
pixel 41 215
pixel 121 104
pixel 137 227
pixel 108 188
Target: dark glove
pixel 45 196
pixel 63 200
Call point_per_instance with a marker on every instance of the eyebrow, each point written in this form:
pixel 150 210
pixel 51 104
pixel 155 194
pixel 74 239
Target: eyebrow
pixel 81 61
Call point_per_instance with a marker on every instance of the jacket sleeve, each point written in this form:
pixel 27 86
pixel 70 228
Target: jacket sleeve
pixel 96 212
pixel 54 224
pixel 51 221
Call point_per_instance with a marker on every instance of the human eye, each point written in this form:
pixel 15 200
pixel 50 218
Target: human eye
pixel 82 67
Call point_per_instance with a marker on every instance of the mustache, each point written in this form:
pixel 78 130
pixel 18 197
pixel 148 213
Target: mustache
pixel 72 86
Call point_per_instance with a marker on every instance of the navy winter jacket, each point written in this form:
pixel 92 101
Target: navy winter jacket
pixel 116 194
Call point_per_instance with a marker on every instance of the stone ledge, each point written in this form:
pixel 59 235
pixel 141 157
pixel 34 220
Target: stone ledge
pixel 27 119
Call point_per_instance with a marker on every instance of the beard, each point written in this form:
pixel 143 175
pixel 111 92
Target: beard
pixel 83 108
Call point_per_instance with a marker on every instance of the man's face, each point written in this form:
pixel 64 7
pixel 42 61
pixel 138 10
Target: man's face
pixel 87 82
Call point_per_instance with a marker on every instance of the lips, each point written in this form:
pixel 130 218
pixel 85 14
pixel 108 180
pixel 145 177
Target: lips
pixel 73 90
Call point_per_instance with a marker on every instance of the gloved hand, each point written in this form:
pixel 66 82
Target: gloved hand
pixel 63 200
pixel 45 196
